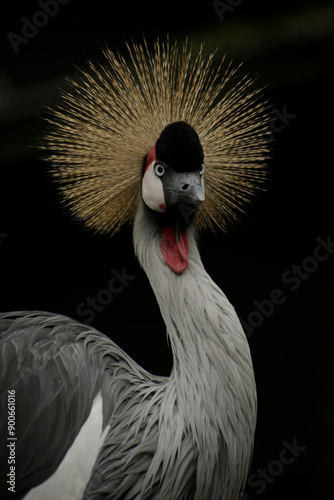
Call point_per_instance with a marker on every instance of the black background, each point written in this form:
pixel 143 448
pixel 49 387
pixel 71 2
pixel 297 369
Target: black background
pixel 47 262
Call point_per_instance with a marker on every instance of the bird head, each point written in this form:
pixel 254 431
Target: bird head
pixel 138 129
pixel 173 172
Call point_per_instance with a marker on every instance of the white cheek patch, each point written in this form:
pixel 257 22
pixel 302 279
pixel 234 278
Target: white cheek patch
pixel 152 190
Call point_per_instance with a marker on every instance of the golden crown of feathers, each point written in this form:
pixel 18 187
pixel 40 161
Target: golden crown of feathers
pixel 112 116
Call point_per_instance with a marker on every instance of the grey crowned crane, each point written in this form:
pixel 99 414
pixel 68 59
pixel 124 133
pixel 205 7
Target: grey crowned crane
pixel 133 143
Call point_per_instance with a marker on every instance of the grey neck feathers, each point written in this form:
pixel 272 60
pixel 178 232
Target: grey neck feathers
pixel 212 384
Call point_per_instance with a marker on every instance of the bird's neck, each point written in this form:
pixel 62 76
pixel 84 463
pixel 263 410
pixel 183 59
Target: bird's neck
pixel 212 374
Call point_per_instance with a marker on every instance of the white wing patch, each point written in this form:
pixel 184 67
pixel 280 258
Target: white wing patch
pixel 152 190
pixel 70 479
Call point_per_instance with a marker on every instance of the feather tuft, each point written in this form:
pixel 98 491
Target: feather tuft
pixel 110 119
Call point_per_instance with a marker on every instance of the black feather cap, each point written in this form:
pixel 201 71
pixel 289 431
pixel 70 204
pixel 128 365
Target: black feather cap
pixel 179 147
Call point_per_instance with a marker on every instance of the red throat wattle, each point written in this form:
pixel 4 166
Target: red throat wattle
pixel 175 251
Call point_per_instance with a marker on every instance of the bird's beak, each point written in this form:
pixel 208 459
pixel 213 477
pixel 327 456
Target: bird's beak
pixel 184 188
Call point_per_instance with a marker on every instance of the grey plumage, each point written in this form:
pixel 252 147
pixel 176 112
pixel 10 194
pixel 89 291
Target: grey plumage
pixel 186 436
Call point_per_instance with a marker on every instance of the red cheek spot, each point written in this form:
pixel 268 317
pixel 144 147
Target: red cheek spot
pixel 162 206
pixel 150 157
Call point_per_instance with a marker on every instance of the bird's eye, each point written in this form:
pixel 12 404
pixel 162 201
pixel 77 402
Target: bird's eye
pixel 201 170
pixel 159 170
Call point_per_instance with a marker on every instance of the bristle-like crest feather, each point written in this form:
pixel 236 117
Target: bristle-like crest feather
pixel 112 116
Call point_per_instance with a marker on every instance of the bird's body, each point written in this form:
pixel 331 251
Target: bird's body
pixel 186 436
pixel 177 437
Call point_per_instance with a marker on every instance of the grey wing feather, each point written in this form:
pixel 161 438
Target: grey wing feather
pixel 43 358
